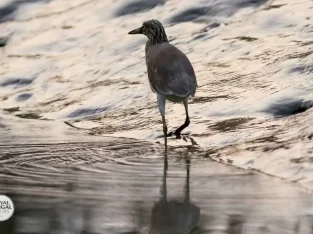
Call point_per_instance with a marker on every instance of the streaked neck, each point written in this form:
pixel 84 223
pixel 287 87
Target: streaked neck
pixel 157 39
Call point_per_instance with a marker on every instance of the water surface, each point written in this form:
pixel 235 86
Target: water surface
pixel 73 61
pixel 107 185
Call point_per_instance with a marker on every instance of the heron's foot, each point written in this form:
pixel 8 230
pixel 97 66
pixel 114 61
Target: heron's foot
pixel 173 133
pixel 178 135
pixel 189 138
pixel 185 137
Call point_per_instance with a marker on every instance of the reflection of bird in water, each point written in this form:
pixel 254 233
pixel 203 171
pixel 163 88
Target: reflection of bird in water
pixel 174 217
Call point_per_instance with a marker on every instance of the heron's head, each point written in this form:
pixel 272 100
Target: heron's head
pixel 153 29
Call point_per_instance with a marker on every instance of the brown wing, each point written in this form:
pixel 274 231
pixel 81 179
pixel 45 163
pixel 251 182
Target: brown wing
pixel 169 71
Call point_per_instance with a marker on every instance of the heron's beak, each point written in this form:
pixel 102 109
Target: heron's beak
pixel 136 31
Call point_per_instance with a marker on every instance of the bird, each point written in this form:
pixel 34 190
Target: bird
pixel 170 73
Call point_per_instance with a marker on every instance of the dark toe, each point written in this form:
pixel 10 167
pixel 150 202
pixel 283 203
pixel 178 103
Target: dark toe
pixel 185 138
pixel 178 136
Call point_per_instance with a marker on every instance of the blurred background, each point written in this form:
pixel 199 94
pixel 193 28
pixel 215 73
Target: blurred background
pixel 80 129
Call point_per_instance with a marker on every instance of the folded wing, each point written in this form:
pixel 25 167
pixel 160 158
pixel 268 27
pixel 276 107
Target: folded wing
pixel 169 71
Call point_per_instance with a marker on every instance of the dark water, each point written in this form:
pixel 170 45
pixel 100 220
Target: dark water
pixel 106 171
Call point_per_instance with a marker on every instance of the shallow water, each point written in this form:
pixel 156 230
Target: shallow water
pixel 107 185
pixel 73 61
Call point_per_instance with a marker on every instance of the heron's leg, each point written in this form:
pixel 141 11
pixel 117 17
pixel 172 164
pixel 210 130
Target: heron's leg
pixel 187 121
pixel 161 104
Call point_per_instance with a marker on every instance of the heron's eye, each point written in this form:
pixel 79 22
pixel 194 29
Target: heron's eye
pixel 143 28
